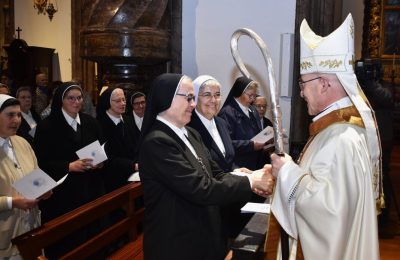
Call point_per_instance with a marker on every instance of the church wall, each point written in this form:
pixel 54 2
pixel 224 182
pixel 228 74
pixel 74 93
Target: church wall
pixel 38 30
pixel 356 8
pixel 207 29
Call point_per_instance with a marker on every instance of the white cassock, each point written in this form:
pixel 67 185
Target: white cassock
pixel 327 200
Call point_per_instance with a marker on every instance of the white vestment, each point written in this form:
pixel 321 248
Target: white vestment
pixel 327 200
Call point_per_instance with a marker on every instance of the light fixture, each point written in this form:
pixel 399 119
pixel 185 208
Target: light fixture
pixel 46 6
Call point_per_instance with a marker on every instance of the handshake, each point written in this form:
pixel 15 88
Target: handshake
pixel 262 181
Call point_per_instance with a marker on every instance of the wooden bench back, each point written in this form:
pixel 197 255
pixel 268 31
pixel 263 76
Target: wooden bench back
pixel 31 243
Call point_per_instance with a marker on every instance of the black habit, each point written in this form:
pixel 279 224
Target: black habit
pixel 182 198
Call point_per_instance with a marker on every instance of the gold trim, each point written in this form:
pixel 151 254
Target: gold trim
pixel 374 29
pixel 330 63
pixel 305 65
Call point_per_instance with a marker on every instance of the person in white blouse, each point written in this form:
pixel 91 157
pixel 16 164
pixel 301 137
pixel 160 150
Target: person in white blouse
pixel 17 159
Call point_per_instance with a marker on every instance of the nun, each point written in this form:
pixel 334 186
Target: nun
pixel 120 136
pixel 215 135
pixel 244 123
pixel 57 139
pixel 17 159
pixel 183 187
pixel 213 130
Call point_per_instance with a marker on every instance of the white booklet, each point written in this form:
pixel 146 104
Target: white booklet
pixel 252 207
pixel 264 136
pixel 134 177
pixel 36 183
pixel 93 151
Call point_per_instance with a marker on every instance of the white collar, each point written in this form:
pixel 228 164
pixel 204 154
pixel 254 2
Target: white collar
pixel 27 114
pixel 208 123
pixel 71 119
pixel 341 103
pixel 3 140
pixel 179 131
pixel 115 119
pixel 136 116
pixel 245 110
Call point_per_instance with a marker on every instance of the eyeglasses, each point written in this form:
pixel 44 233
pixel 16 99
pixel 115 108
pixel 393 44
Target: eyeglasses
pixel 73 98
pixel 189 97
pixel 207 95
pixel 141 103
pixel 261 106
pixel 302 83
pixel 121 100
pixel 251 96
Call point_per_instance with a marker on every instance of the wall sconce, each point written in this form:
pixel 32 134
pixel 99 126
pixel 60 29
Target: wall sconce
pixel 46 6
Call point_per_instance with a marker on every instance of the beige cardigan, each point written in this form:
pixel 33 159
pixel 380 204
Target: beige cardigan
pixel 13 222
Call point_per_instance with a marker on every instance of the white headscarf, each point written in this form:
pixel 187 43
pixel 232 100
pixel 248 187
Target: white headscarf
pixel 200 81
pixel 4 98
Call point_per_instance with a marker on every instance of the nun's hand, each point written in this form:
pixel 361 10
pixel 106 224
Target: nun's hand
pixel 81 165
pixel 23 203
pixel 258 146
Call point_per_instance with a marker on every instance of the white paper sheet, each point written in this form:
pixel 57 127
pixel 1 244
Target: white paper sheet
pixel 134 177
pixel 264 136
pixel 36 183
pixel 93 151
pixel 252 207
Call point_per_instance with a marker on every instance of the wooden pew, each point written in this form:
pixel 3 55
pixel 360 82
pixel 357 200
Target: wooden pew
pixel 251 242
pixel 31 243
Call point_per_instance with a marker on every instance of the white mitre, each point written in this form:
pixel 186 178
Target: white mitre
pixel 335 54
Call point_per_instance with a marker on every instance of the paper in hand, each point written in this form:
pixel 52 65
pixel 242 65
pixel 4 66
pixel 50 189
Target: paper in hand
pixel 264 136
pixel 93 151
pixel 35 184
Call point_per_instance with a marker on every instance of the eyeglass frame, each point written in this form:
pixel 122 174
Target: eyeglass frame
pixel 139 103
pixel 121 100
pixel 74 98
pixel 217 95
pixel 302 83
pixel 250 96
pixel 261 106
pixel 189 97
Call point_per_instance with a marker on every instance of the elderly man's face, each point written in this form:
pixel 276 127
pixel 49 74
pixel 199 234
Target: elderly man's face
pixel 10 119
pixel 180 111
pixel 261 105
pixel 25 99
pixel 310 86
pixel 41 80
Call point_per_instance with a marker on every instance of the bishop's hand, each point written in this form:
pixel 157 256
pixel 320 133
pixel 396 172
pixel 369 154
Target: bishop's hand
pixel 277 162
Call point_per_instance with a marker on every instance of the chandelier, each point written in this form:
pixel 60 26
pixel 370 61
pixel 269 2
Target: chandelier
pixel 46 6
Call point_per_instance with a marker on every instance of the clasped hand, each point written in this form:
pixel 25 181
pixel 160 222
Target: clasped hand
pixel 263 181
